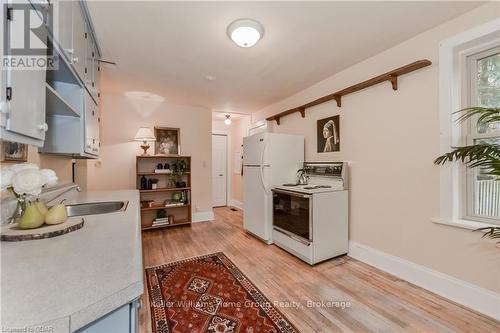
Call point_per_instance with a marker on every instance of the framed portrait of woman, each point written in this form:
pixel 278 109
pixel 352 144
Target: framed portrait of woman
pixel 167 141
pixel 14 152
pixel 328 133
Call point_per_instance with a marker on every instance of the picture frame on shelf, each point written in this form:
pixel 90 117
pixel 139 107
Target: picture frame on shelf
pixel 14 152
pixel 167 141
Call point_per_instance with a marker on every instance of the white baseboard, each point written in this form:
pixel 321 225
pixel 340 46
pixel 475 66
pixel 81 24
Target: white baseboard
pixel 203 216
pixel 235 203
pixel 479 299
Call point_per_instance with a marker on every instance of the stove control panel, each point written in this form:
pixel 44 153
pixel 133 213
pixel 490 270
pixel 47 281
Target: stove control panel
pixel 332 169
pixel 327 169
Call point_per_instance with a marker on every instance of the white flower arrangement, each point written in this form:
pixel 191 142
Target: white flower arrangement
pixel 26 179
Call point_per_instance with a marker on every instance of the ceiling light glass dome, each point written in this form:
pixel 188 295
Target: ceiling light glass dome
pixel 245 32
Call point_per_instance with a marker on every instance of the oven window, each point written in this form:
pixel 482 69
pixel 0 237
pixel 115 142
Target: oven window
pixel 291 214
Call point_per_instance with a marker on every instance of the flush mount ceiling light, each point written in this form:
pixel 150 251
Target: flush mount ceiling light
pixel 245 32
pixel 227 121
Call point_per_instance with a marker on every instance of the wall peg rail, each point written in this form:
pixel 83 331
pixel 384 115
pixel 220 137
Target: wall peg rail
pixel 391 76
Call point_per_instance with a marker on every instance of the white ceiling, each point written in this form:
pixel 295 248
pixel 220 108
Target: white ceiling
pixel 175 45
pixel 222 115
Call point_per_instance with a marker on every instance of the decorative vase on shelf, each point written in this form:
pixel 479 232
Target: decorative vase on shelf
pixel 144 183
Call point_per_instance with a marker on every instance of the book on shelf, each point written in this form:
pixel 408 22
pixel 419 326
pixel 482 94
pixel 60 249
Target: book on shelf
pixel 161 221
pixel 174 203
pixel 167 171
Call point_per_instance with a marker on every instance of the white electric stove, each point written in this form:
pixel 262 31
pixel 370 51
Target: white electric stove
pixel 311 221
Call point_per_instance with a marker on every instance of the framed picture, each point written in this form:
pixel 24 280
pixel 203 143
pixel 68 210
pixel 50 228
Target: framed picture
pixel 167 141
pixel 14 152
pixel 328 133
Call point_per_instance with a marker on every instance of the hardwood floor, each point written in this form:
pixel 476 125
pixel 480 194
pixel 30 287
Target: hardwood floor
pixel 378 302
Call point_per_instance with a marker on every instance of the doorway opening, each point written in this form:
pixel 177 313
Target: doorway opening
pixel 219 170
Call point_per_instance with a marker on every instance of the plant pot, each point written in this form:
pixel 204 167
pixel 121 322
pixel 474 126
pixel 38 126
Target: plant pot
pixel 180 184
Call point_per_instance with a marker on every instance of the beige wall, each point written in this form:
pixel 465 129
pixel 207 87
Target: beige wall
pixel 390 139
pixel 121 117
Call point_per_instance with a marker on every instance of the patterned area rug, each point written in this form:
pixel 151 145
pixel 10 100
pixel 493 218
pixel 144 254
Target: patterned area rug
pixel 209 294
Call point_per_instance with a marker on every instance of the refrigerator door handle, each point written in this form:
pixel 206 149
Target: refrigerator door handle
pixel 262 168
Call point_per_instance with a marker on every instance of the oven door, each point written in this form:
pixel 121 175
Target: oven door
pixel 292 215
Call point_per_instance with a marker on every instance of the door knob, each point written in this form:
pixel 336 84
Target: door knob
pixel 43 127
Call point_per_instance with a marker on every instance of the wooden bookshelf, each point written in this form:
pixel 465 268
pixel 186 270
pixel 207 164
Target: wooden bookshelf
pixel 165 190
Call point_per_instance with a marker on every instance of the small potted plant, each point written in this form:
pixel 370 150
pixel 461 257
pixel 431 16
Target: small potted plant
pixel 178 170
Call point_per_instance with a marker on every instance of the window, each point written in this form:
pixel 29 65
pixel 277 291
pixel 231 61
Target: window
pixel 483 84
pixel 469 71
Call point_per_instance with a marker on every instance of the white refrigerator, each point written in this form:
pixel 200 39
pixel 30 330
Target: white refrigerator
pixel 268 159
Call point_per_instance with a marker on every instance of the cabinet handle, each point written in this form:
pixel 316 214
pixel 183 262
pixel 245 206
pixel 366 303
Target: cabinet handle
pixel 43 127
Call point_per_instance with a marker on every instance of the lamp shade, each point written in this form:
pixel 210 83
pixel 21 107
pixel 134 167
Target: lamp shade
pixel 145 134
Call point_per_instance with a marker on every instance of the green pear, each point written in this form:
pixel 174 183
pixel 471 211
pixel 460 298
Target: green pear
pixel 32 218
pixel 56 214
pixel 41 207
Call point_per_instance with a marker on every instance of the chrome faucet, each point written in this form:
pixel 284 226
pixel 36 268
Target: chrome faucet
pixel 303 178
pixel 72 187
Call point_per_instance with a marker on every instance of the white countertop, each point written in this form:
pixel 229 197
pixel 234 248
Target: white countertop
pixel 71 280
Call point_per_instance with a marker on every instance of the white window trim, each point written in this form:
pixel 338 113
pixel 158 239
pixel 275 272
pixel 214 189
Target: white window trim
pixel 451 99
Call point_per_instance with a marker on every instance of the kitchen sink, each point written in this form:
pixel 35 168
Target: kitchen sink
pixel 92 208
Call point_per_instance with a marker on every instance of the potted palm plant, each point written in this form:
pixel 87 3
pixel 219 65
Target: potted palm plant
pixel 485 155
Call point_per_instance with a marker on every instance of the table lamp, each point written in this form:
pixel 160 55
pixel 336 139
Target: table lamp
pixel 145 134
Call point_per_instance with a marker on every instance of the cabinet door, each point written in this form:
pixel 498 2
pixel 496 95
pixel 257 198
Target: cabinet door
pixel 96 139
pixel 118 321
pixel 25 90
pixel 97 73
pixel 63 12
pixel 90 124
pixel 79 40
pixel 89 64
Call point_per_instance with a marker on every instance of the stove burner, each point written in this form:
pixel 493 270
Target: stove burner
pixel 290 184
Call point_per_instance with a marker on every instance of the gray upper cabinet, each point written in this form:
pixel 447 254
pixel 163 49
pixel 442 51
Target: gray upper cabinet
pixel 55 108
pixel 78 40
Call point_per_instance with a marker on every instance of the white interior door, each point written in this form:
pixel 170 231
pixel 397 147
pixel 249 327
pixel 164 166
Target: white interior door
pixel 219 170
